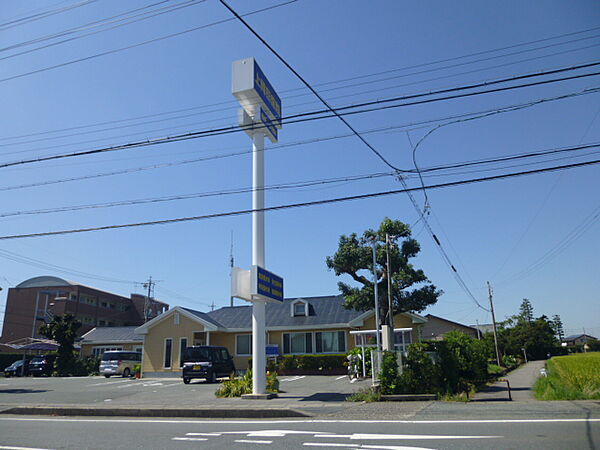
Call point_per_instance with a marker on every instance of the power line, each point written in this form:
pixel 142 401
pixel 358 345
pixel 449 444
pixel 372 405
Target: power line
pixel 329 108
pixel 414 126
pixel 304 204
pixel 132 19
pixel 44 265
pixel 42 15
pixel 139 44
pixel 338 81
pixel 293 185
pixel 341 111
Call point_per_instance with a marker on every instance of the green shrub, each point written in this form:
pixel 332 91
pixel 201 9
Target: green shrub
pixel 368 394
pixel 510 362
pixel 322 363
pixel 238 386
pixel 388 376
pixel 495 371
pixel 420 374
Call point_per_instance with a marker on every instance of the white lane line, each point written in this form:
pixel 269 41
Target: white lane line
pixel 395 447
pixel 261 422
pixel 4 447
pixel 203 434
pixel 339 378
pixel 369 436
pixel 249 441
pixel 322 444
pixel 106 383
pixel 381 447
pixel 188 439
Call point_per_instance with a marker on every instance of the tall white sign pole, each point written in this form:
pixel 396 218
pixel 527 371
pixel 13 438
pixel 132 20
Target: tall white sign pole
pixel 259 380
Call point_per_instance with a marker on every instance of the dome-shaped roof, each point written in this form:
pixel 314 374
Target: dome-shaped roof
pixel 45 281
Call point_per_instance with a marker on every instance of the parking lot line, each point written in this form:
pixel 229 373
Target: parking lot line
pixel 296 378
pixel 106 383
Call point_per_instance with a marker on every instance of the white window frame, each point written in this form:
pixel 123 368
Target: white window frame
pixel 165 353
pixel 312 339
pixel 237 353
pixel 330 331
pixel 100 349
pixel 181 339
pixel 293 308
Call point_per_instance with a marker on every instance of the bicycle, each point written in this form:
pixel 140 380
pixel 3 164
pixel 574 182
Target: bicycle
pixel 353 366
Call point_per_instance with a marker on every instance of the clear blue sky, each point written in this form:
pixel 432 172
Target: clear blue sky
pixel 499 231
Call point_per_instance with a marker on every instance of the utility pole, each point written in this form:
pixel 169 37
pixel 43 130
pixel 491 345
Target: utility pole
pixel 478 330
pixel 376 295
pixel 390 304
pixel 231 266
pixel 494 323
pixel 212 306
pixel 150 286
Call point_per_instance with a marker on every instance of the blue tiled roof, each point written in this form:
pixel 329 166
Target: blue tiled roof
pixel 323 310
pixel 108 334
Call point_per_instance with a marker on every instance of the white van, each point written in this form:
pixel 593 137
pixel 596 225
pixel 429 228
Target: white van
pixel 119 362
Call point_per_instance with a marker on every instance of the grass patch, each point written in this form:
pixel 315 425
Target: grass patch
pixel 365 395
pixel 573 377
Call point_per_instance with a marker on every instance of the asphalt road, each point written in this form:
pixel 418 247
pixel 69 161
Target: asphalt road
pixel 97 433
pixel 315 394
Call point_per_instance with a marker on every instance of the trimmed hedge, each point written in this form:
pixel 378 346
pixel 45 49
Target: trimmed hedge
pixel 334 364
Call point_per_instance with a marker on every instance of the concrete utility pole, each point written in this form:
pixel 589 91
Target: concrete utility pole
pixel 150 284
pixel 494 323
pixel 231 266
pixel 390 303
pixel 375 288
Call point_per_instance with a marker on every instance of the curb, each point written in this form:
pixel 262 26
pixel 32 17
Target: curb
pixel 264 413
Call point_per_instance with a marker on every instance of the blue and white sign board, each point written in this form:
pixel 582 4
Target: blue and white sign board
pixel 266 285
pixel 253 90
pixel 263 123
pixel 256 284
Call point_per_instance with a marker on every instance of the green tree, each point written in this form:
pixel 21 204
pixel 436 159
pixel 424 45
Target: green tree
pixel 557 326
pixel 537 338
pixel 63 329
pixel 526 311
pixel 411 290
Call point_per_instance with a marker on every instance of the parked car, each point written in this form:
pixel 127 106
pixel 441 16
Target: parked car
pixel 42 365
pixel 17 369
pixel 208 362
pixel 119 362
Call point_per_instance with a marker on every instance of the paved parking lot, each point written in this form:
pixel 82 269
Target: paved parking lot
pixel 300 392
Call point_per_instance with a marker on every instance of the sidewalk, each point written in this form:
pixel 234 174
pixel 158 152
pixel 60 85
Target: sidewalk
pixel 521 385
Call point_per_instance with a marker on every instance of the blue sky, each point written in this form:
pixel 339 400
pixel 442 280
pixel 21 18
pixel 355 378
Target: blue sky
pixel 532 237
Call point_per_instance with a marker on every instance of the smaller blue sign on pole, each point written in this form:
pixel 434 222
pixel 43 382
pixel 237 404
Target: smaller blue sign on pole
pixel 266 284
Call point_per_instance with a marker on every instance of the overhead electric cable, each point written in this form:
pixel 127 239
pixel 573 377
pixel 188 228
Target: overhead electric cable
pixel 305 204
pixel 139 44
pixel 42 15
pixel 321 114
pixel 301 184
pixel 128 21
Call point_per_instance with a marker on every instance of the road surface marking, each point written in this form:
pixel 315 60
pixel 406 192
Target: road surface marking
pixel 299 377
pixel 106 383
pixel 188 439
pixel 203 434
pixel 382 447
pixel 20 448
pixel 365 436
pixel 248 441
pixel 261 422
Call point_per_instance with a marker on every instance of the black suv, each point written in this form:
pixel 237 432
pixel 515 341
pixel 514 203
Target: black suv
pixel 208 362
pixel 42 365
